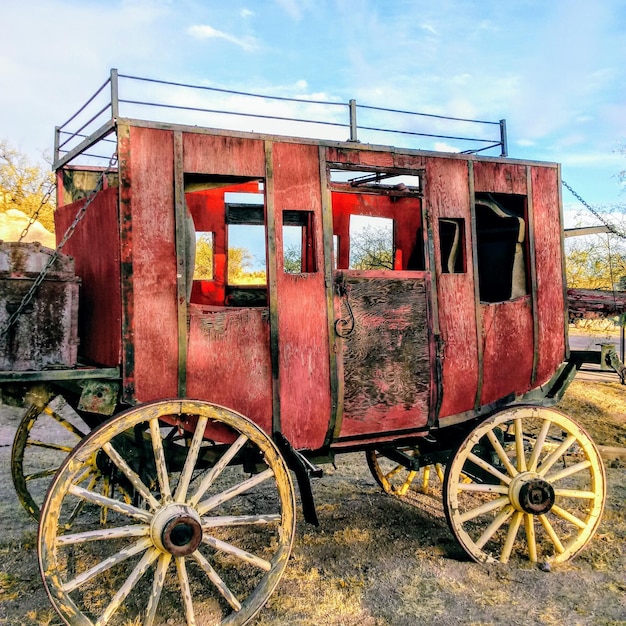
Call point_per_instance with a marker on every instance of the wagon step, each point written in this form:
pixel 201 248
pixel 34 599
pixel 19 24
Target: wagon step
pixel 304 470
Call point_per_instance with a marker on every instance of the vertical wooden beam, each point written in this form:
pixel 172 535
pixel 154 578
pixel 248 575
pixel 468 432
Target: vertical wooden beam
pixel 126 259
pixel 336 380
pixel 270 220
pixel 563 273
pixel 532 263
pixel 181 262
pixel 477 306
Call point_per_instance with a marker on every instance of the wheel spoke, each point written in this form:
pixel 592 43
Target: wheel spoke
pixel 545 522
pixel 185 591
pixel 569 471
pixel 221 586
pixel 529 524
pixel 190 461
pixel 159 459
pixel 115 505
pixel 104 534
pixel 34 443
pixel 217 469
pixel 566 515
pixel 492 505
pixel 489 468
pixel 491 530
pixel 482 488
pixel 210 503
pixel 65 423
pixel 519 445
pixel 38 475
pixel 538 447
pixel 239 520
pixel 575 493
pixel 248 557
pixel 103 566
pixel 157 588
pixel 555 456
pixel 132 476
pixel 140 569
pixel 497 446
pixel 511 536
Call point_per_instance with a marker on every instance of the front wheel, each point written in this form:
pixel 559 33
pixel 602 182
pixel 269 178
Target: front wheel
pixel 537 487
pixel 205 539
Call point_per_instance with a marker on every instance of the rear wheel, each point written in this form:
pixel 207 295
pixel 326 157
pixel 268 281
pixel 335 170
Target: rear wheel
pixel 395 478
pixel 205 539
pixel 537 487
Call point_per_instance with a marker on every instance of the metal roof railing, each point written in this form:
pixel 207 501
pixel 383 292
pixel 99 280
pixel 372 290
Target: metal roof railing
pixel 252 112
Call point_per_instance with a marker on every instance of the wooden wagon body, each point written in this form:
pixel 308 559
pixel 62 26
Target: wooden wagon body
pixel 426 350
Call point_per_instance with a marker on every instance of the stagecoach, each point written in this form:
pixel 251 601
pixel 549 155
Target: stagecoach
pixel 197 389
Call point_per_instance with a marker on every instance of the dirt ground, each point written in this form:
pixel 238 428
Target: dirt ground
pixel 376 560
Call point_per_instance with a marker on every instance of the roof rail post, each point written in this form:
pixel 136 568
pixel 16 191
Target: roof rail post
pixel 503 140
pixel 353 126
pixel 115 103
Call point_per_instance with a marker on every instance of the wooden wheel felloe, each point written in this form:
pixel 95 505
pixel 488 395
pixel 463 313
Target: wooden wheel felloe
pixel 44 437
pixel 537 487
pixel 206 538
pixel 396 479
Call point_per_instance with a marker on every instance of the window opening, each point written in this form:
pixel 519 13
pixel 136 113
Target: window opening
pixel 501 242
pixel 371 243
pixel 382 181
pixel 203 269
pixel 299 242
pixel 452 245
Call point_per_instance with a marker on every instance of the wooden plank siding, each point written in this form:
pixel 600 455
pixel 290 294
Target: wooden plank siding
pixel 303 343
pixel 97 262
pixel 447 195
pixel 151 255
pixel 550 274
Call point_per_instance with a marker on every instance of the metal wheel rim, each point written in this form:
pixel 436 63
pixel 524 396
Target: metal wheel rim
pixel 486 516
pixel 137 531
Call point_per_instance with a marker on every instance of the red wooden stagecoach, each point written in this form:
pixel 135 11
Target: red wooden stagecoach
pixel 194 393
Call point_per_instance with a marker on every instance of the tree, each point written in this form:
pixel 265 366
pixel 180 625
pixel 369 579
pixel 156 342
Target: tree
pixel 596 262
pixel 25 188
pixel 371 249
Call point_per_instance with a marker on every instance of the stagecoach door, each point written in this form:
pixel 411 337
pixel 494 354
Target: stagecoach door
pixel 381 304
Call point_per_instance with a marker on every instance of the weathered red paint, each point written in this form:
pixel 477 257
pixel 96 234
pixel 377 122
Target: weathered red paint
pixel 303 346
pixel 447 195
pixel 97 261
pixel 550 276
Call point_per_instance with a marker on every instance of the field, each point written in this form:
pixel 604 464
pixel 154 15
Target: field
pixel 377 560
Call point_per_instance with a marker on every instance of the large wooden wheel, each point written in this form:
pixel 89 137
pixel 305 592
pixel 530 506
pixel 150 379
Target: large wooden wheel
pixel 395 479
pixel 537 487
pixel 44 438
pixel 205 540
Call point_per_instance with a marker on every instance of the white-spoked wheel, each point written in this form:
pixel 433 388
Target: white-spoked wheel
pixel 205 539
pixel 537 487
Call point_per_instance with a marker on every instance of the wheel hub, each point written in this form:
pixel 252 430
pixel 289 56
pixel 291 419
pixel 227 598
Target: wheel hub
pixel 177 529
pixel 530 493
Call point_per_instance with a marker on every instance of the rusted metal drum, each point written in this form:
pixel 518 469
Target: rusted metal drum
pixel 45 334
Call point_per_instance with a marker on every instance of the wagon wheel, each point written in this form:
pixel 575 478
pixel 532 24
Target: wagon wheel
pixel 537 490
pixel 42 441
pixel 396 479
pixel 204 541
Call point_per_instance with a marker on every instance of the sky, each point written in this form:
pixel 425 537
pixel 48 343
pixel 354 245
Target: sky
pixel 554 69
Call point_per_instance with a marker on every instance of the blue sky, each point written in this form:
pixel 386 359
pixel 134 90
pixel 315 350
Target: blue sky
pixel 554 69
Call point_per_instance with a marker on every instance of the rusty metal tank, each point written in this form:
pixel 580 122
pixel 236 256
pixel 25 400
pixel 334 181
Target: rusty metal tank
pixel 45 334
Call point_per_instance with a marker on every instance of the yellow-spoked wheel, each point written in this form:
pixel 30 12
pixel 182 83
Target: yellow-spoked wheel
pixel 396 479
pixel 44 438
pixel 537 487
pixel 206 538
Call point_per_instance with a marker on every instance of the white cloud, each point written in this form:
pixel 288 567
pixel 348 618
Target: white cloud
pixel 245 13
pixel 204 31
